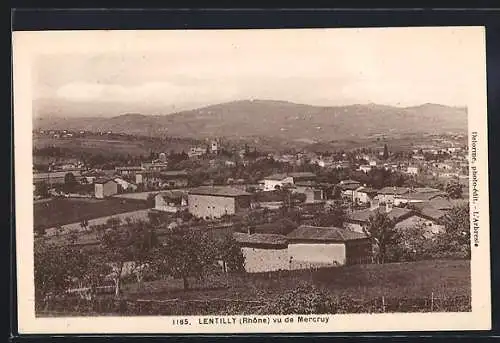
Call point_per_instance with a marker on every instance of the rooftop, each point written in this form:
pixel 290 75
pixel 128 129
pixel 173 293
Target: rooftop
pixel 218 191
pixel 396 214
pixel 394 190
pixel 172 194
pixel 332 234
pixel 103 180
pixel 260 238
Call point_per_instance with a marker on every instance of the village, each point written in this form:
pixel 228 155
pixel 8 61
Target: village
pixel 283 221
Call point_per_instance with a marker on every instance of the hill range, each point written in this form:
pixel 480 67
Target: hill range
pixel 264 118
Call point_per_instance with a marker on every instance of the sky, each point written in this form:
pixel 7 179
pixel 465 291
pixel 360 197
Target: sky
pixel 187 69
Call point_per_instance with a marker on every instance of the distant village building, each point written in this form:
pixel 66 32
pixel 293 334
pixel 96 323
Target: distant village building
pixel 162 157
pixel 171 201
pixel 348 189
pixel 365 168
pixel 364 195
pixel 389 194
pixel 163 179
pixel 277 181
pixel 214 202
pixel 105 188
pixel 412 170
pixel 128 170
pixel 405 219
pixel 124 185
pixel 196 152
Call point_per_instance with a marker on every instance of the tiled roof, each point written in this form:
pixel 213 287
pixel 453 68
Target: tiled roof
pixel 394 190
pixel 173 194
pixel 367 190
pixel 316 233
pixel 276 177
pixel 259 238
pixel 103 180
pixel 218 191
pixel 422 196
pixel 396 214
pixel 349 187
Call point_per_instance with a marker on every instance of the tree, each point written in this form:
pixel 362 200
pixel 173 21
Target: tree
pixel 133 242
pixel 42 189
pixel 386 152
pixel 185 253
pixel 454 189
pixel 335 216
pixel 69 182
pixel 457 230
pixel 381 229
pixel 229 252
pixel 57 267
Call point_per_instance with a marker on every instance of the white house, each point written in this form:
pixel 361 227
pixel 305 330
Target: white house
pixel 171 201
pixel 412 170
pixel 105 188
pixel 125 185
pixel 263 252
pixel 365 168
pixel 363 195
pixel 276 181
pixel 311 246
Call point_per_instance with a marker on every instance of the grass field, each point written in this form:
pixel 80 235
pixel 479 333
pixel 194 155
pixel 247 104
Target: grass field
pixel 65 211
pixel 443 278
pixel 424 286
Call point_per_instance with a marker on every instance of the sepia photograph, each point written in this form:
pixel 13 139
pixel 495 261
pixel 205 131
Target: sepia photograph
pixel 287 180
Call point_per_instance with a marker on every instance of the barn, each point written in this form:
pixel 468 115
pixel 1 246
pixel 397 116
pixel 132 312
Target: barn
pixel 313 246
pixel 263 252
pixel 214 202
pixel 105 188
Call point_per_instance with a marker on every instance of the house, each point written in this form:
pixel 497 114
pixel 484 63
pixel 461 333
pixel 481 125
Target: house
pixel 128 170
pixel 311 189
pixel 388 194
pixel 277 181
pixel 263 252
pixel 154 166
pixel 216 201
pixel 417 197
pixel 312 246
pixel 348 188
pixel 365 168
pixel 171 201
pixel 196 152
pixel 124 185
pixel 364 195
pixel 359 220
pixel 405 219
pixel 105 188
pixel 163 179
pixel 412 170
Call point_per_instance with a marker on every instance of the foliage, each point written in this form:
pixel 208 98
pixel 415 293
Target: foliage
pixel 383 233
pixel 335 216
pixel 185 253
pixel 306 299
pixel 42 189
pixel 454 189
pixel 56 267
pixel 130 242
pixel 457 229
pixel 229 252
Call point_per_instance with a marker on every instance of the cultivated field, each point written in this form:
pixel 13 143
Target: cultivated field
pixel 63 211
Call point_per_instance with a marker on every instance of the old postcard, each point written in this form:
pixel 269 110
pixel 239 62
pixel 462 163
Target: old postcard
pixel 251 181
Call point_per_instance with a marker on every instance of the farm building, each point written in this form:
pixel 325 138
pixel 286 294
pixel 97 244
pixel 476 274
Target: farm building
pixel 348 189
pixel 163 179
pixel 310 246
pixel 171 201
pixel 105 188
pixel 418 197
pixel 364 195
pixel 263 252
pixel 389 194
pixel 128 170
pixel 276 181
pixel 214 202
pixel 125 186
pixel 405 219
